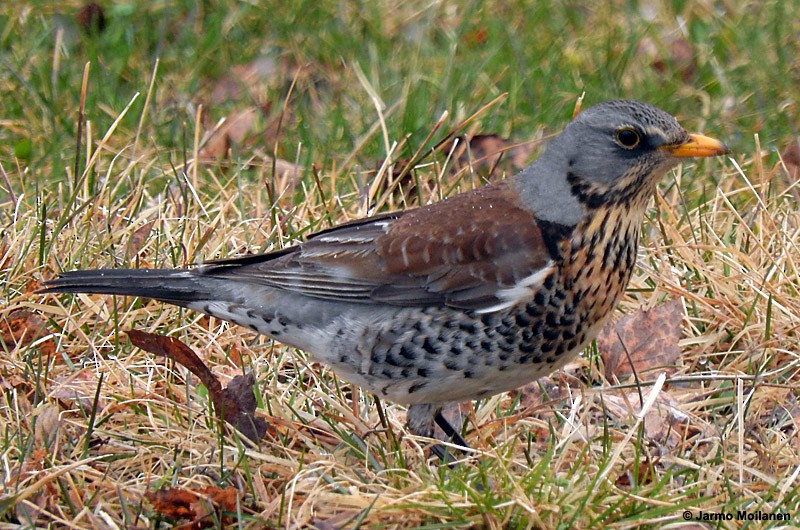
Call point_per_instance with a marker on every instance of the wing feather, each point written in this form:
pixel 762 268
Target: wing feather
pixel 480 250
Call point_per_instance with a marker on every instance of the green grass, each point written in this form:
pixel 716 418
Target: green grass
pixel 350 81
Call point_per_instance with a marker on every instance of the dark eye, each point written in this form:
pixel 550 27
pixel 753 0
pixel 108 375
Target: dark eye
pixel 628 138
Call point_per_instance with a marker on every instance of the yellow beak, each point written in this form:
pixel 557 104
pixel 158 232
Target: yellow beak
pixel 698 145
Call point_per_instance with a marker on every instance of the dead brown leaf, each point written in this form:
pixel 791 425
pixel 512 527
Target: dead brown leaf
pixel 139 237
pixel 198 506
pixel 664 423
pixel 249 80
pixel 78 387
pixel 91 18
pixel 645 342
pixel 235 404
pixel 21 327
pixel 173 502
pixel 488 153
pixel 791 157
pixel 672 53
pixel 233 130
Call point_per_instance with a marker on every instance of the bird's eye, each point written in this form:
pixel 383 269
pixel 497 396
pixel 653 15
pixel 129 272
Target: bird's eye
pixel 628 138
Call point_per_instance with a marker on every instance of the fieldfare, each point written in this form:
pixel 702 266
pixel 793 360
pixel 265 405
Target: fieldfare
pixel 477 294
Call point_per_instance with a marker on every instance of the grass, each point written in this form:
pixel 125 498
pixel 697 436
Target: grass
pixel 91 424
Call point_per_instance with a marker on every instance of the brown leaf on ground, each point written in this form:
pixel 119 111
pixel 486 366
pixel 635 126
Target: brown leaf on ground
pixel 236 127
pixel 235 404
pixel 21 327
pixel 664 423
pixel 672 54
pixel 181 503
pixel 242 80
pixel 139 237
pixel 791 157
pixel 91 18
pixel 487 155
pixel 77 388
pixel 645 341
pixel 173 502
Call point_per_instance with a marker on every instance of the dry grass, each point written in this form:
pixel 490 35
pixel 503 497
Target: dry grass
pixel 80 454
pixel 91 425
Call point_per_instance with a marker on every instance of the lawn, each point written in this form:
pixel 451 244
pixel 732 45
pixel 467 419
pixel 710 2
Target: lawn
pixel 163 134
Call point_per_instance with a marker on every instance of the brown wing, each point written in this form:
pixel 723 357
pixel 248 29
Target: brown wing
pixel 468 252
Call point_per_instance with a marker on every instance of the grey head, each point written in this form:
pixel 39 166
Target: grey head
pixel 608 141
pixel 615 151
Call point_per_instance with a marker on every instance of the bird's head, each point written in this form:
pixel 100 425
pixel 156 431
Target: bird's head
pixel 617 151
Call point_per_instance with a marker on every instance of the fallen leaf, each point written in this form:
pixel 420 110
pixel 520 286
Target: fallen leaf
pixel 173 502
pixel 791 158
pixel 198 506
pixel 478 36
pixel 646 473
pixel 673 53
pixel 21 327
pixel 139 237
pixel 232 131
pixel 489 152
pixel 244 79
pixel 235 404
pixel 645 342
pixel 664 423
pixel 223 498
pixel 91 18
pixel 487 155
pixel 79 387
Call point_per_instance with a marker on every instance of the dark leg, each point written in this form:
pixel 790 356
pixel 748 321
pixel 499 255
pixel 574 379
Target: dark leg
pixel 449 430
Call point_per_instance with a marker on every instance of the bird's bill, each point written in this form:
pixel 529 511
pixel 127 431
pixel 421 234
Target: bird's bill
pixel 698 145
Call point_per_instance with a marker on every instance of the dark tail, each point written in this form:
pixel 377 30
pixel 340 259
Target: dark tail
pixel 172 286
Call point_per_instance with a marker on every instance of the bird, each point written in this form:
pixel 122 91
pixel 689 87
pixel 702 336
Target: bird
pixel 458 300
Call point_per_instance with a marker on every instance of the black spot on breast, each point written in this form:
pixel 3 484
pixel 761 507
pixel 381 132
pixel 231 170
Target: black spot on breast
pixel 408 353
pixel 468 327
pixel 535 309
pixel 469 374
pixel 539 301
pixel 423 372
pixel 506 346
pixel 522 320
pixel 551 334
pixel 416 386
pixel 451 364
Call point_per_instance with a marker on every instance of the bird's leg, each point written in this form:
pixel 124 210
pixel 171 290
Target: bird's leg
pixel 422 419
pixel 449 430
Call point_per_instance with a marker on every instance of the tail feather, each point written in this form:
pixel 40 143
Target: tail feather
pixel 177 286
